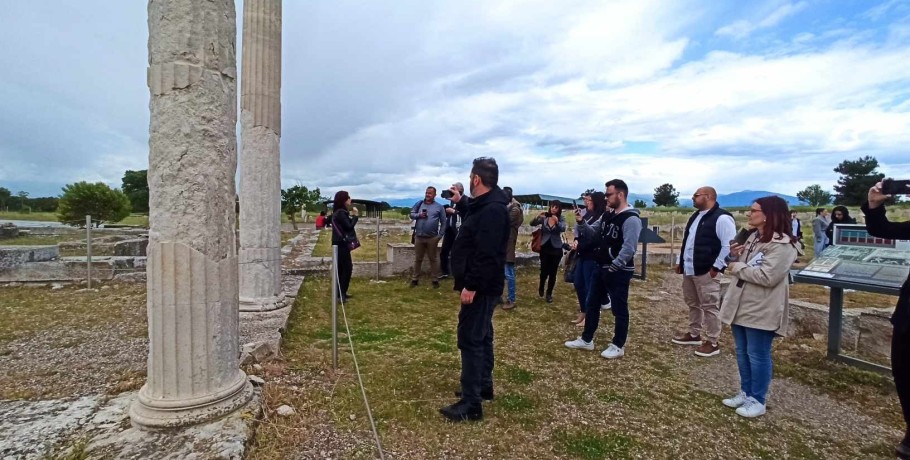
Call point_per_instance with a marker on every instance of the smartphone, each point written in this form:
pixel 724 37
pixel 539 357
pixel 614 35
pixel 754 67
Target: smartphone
pixel 895 187
pixel 446 194
pixel 742 235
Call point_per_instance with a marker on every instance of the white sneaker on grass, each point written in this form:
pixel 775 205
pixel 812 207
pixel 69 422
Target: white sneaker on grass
pixel 606 306
pixel 737 400
pixel 613 352
pixel 580 344
pixel 751 408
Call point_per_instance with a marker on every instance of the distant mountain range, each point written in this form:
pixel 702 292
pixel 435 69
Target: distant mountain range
pixel 741 198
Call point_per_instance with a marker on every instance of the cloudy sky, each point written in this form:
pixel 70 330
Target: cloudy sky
pixel 383 98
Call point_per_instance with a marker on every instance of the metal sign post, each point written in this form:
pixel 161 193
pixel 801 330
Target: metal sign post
pixel 88 250
pixel 334 307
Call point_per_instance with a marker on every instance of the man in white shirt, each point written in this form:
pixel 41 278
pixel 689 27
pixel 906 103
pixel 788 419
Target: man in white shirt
pixel 706 244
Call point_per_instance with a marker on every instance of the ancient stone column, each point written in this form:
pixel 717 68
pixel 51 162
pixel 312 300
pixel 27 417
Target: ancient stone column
pixel 193 368
pixel 260 172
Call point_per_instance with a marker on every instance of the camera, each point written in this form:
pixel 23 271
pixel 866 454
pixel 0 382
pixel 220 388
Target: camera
pixel 895 187
pixel 447 194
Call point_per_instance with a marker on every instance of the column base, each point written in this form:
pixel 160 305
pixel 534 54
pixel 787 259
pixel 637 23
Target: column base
pixel 263 304
pixel 158 414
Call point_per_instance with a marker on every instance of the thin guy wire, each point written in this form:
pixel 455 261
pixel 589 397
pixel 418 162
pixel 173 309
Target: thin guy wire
pixel 363 390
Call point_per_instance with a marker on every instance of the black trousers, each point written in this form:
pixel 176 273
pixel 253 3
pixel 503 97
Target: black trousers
pixel 549 265
pixel 345 269
pixel 475 340
pixel 447 241
pixel 900 368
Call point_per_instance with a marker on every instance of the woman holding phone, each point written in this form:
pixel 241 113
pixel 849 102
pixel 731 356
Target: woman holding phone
pixel 343 224
pixel 586 267
pixel 756 305
pixel 552 225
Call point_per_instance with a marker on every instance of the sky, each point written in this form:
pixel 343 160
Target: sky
pixel 384 98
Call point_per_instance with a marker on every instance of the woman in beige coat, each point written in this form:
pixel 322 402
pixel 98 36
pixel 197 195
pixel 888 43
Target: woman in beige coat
pixel 756 305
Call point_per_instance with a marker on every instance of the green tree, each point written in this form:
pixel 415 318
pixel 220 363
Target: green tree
pixel 666 195
pixel 640 204
pixel 5 196
pixel 22 200
pixel 297 198
pixel 814 195
pixel 103 203
pixel 44 204
pixel 136 188
pixel 856 178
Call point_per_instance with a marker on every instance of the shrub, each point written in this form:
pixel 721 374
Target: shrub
pixel 103 203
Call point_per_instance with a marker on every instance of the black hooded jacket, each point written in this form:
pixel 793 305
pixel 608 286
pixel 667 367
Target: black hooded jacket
pixel 479 251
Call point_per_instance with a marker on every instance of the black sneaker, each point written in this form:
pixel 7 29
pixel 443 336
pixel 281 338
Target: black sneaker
pixel 435 284
pixel 462 411
pixel 413 283
pixel 549 299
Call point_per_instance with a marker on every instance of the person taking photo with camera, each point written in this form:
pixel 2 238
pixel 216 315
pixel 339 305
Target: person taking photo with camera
pixel 429 227
pixel 878 225
pixel 552 225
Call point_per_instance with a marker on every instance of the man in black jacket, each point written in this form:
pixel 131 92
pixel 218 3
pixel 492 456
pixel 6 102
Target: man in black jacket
pixel 478 260
pixel 879 226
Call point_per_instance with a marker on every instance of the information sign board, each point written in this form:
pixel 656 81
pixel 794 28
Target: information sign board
pixel 858 257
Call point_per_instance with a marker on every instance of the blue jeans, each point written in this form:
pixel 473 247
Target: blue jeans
pixel 753 356
pixel 510 280
pixel 586 272
pixel 617 285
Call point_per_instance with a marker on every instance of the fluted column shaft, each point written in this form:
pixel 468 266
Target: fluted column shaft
pixel 193 368
pixel 260 171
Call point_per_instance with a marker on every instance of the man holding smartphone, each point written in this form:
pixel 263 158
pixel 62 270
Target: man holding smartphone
pixel 879 226
pixel 429 227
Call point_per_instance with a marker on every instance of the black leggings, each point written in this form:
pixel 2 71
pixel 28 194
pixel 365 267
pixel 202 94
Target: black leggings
pixel 345 269
pixel 549 265
pixel 900 368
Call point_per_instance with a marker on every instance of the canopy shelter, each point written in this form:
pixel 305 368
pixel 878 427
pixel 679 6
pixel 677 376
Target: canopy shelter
pixel 366 208
pixel 541 200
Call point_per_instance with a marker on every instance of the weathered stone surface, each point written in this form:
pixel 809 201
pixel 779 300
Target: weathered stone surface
pixel 8 230
pixel 285 411
pixel 260 174
pixel 193 372
pixel 31 429
pixel 133 247
pixel 12 256
pixel 875 331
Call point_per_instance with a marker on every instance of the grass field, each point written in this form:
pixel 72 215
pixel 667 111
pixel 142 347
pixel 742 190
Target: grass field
pixel 657 402
pixel 141 220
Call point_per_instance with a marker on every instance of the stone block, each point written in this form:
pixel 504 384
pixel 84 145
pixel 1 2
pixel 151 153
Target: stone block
pixel 875 332
pixel 131 247
pixel 12 256
pixel 8 230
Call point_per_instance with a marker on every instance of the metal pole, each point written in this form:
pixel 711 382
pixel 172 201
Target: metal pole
pixel 88 250
pixel 334 307
pixel 672 238
pixel 378 218
pixel 835 321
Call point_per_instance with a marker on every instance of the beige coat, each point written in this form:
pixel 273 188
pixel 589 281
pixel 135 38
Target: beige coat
pixel 762 299
pixel 516 218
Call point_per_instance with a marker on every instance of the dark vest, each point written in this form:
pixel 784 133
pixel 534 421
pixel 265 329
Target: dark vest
pixel 707 243
pixel 611 238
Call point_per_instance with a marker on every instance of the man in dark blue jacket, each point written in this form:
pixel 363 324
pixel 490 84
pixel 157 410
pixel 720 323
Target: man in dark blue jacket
pixel 478 260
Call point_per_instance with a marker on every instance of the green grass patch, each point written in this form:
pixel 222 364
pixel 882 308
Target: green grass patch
pixel 515 403
pixel 594 446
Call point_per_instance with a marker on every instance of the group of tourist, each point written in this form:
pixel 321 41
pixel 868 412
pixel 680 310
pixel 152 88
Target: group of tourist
pixel 823 226
pixel 757 259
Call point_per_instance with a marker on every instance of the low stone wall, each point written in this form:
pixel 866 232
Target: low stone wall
pixel 113 245
pixel 14 256
pixel 865 331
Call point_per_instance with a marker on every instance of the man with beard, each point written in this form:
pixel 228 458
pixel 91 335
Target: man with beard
pixel 478 260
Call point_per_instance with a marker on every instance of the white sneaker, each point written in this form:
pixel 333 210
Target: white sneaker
pixel 580 344
pixel 606 306
pixel 613 352
pixel 737 400
pixel 751 408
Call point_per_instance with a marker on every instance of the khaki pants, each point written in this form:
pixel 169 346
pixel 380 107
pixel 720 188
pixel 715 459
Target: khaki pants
pixel 702 295
pixel 426 246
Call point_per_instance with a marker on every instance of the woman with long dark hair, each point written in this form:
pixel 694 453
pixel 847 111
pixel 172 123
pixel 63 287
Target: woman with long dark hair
pixel 343 225
pixel 839 215
pixel 585 266
pixel 552 225
pixel 757 302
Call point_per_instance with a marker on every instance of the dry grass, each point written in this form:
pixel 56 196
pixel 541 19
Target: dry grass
pixel 29 240
pixel 551 402
pixel 367 250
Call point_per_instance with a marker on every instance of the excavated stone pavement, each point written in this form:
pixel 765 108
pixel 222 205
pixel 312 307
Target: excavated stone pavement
pixel 100 425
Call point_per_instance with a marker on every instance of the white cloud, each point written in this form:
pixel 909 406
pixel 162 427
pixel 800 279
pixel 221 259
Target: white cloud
pixel 743 28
